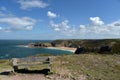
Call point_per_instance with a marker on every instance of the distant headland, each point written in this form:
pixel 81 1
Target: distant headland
pixel 78 46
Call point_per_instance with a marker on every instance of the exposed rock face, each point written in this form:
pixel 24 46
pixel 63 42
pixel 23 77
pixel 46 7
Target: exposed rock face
pixel 40 44
pixel 85 50
pixel 80 50
pixel 66 43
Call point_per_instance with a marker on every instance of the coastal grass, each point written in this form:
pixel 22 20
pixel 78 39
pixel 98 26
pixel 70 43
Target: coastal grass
pixel 5 64
pixel 81 67
pixel 88 66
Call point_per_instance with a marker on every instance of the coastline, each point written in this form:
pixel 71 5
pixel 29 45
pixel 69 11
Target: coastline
pixel 63 48
pixel 43 45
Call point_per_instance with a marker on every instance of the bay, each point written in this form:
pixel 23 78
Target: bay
pixel 18 49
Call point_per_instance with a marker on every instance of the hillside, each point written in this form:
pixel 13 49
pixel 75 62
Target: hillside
pixel 85 43
pixel 111 46
pixel 71 67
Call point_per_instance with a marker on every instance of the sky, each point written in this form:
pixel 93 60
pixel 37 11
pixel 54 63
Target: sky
pixel 59 19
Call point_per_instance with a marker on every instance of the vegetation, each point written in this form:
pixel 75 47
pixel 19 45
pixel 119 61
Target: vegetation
pixel 102 46
pixel 116 48
pixel 5 65
pixel 85 43
pixel 81 67
pixel 88 66
pixel 109 46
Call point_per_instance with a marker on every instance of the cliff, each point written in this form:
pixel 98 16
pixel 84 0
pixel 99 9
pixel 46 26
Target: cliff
pixel 40 44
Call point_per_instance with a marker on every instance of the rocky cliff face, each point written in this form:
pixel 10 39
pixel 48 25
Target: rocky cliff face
pixel 40 44
pixel 66 43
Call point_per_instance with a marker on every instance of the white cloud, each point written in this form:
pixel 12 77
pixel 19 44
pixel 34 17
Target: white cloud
pixel 51 14
pixel 0 28
pixel 96 21
pixel 16 23
pixel 114 28
pixel 10 22
pixel 96 29
pixel 63 26
pixel 99 29
pixel 28 4
pixel 56 27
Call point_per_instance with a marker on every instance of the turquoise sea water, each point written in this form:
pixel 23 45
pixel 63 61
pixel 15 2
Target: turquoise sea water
pixel 17 49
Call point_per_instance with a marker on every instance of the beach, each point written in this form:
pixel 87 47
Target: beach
pixel 63 48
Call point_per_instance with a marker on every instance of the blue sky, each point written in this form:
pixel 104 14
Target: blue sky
pixel 59 19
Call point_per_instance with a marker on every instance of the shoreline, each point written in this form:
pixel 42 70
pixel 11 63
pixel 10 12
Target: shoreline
pixel 63 48
pixel 57 48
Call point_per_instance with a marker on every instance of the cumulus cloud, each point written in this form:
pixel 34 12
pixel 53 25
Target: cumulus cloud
pixel 96 21
pixel 16 23
pixel 28 4
pixel 51 14
pixel 97 28
pixel 63 26
pixel 55 26
pixel 10 22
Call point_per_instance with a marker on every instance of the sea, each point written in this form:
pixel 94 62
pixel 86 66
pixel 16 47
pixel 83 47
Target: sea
pixel 19 49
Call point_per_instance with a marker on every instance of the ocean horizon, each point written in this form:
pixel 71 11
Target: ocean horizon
pixel 18 49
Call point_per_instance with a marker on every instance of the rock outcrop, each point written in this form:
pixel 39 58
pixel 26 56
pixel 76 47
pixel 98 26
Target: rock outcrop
pixel 40 44
pixel 80 50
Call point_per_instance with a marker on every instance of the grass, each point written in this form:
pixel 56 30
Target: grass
pixel 91 66
pixel 35 67
pixel 5 64
pixel 83 66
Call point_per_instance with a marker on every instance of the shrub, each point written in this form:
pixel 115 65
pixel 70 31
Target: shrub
pixel 116 48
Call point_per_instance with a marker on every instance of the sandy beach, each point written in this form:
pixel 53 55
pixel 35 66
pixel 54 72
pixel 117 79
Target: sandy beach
pixel 63 48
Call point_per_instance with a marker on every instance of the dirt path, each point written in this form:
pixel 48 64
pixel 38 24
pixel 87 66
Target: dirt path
pixel 31 77
pixel 23 77
pixel 6 75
